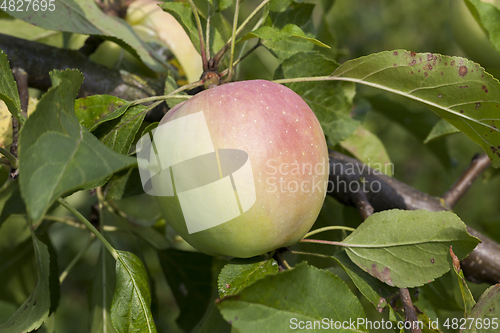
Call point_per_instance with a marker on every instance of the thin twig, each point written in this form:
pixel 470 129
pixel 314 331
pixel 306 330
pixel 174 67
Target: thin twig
pixel 457 190
pixel 207 34
pixel 364 207
pixel 89 225
pixel 74 223
pixel 9 156
pixel 78 256
pixel 171 95
pixel 237 61
pixel 410 313
pixel 233 37
pixel 200 34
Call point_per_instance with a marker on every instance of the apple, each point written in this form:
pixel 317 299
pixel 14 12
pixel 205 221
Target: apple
pixel 470 35
pixel 244 168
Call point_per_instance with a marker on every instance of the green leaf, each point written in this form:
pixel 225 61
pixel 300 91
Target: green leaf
pixel 374 290
pixel 36 308
pixel 489 18
pixel 220 5
pixel 124 184
pixel 487 310
pixel 330 101
pixel 182 12
pixel 10 201
pixel 17 272
pixel 212 320
pixel 467 297
pixel 8 88
pixel 101 294
pixel 84 17
pixel 275 34
pixel 408 248
pixel 368 148
pixel 58 155
pixel 130 308
pixel 413 117
pixel 240 273
pixel 171 85
pixel 456 89
pixel 279 5
pixel 93 110
pixel 304 293
pixel 299 14
pixel 441 129
pixel 189 276
pixel 118 134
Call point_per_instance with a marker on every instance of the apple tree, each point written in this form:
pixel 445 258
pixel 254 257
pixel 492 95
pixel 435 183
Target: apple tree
pixel 327 153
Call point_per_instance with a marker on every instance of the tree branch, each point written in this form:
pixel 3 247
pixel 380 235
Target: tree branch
pixel 384 192
pixel 38 60
pixel 410 313
pixel 478 164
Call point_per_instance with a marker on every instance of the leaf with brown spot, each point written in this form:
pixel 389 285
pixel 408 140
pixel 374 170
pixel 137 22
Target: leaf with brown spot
pixel 439 84
pixel 487 307
pixel 408 248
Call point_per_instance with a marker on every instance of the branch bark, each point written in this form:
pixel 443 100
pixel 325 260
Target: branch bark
pixel 39 59
pixel 384 192
pixel 456 192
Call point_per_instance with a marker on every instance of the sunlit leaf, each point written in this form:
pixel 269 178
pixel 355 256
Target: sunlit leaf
pixel 240 273
pixel 101 293
pixel 441 129
pixel 275 34
pixel 486 312
pixel 456 89
pixel 304 293
pixel 130 308
pixel 408 248
pixel 56 153
pixel 368 148
pixel 8 87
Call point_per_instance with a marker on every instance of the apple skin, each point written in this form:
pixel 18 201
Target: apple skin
pixel 277 129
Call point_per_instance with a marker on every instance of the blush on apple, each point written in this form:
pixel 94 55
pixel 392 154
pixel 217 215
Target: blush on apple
pixel 244 168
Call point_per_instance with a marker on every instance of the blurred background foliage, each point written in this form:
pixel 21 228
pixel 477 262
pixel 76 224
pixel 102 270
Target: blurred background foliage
pixel 353 28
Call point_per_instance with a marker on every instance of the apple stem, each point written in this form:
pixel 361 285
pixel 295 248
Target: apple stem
pixel 200 34
pixel 89 225
pixel 233 37
pixel 171 95
pixel 335 227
